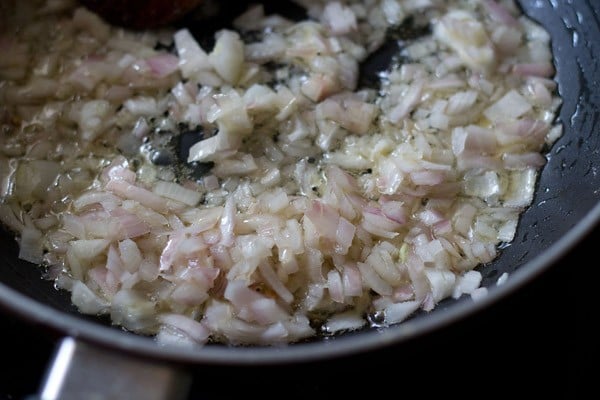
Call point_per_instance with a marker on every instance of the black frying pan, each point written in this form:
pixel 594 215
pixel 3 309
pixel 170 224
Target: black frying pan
pixel 566 210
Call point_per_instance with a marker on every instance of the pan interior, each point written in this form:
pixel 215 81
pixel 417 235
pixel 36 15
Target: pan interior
pixel 565 209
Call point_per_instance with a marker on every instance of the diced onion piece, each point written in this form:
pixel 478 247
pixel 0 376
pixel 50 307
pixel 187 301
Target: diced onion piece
pixel 192 328
pixel 466 283
pixel 87 301
pixel 340 19
pixel 227 57
pixel 30 245
pixel 347 321
pixel 462 32
pixel 192 58
pixel 398 312
pixel 177 192
pixel 511 106
pixel 132 310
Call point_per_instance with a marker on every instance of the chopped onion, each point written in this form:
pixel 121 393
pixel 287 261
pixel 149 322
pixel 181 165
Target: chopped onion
pixel 305 197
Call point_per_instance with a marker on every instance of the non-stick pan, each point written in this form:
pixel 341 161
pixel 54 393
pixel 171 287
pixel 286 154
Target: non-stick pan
pixel 565 210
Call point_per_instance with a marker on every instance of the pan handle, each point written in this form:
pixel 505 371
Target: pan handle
pixel 83 371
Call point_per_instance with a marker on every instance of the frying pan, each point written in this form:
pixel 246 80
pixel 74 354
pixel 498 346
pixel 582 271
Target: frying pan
pixel 565 210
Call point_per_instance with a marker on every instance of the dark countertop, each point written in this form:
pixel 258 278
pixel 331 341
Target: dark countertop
pixel 538 341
